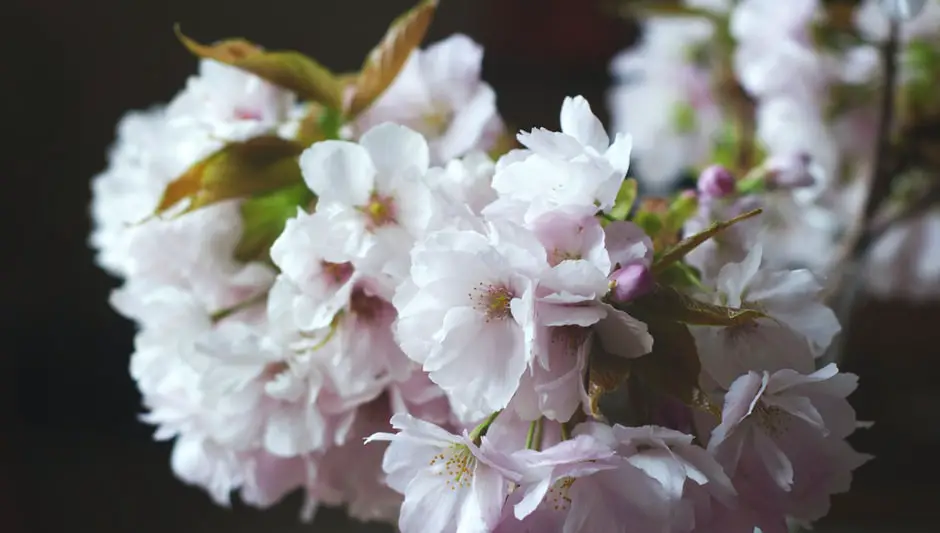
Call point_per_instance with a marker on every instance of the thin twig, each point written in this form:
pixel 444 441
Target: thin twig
pixel 848 274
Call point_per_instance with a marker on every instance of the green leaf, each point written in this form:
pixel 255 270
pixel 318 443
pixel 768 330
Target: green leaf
pixel 238 170
pixel 681 275
pixel 680 210
pixel 606 374
pixel 264 218
pixel 291 70
pixel 682 248
pixel 387 59
pixel 626 197
pixel 319 124
pixel 673 367
pixel 668 303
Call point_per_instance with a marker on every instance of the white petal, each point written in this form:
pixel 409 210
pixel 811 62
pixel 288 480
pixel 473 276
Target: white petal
pixel 579 121
pixel 395 149
pixel 338 171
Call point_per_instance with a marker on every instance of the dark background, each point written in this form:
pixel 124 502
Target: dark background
pixel 73 454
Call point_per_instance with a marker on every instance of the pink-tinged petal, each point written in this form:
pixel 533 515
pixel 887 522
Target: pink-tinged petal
pixel 578 121
pixel 776 462
pixel 468 125
pixel 553 315
pixel 622 335
pixel 487 382
pixel 627 243
pixel 394 150
pixel 428 507
pixel 619 152
pixel 712 475
pixel 532 498
pixel 551 143
pixel 660 465
pixel 740 401
pixel 800 407
pixel 734 278
pixel 826 379
pixel 453 62
pixel 339 171
pixel 576 278
pixel 488 493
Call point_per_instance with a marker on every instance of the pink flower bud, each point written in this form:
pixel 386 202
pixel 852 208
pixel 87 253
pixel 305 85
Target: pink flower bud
pixel 631 282
pixel 716 182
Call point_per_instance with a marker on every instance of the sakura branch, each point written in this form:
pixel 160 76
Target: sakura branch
pixel 362 288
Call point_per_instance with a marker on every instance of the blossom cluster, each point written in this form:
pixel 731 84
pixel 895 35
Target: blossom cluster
pixel 785 96
pixel 390 312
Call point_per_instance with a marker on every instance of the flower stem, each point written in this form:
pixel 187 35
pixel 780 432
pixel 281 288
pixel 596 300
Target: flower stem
pixel 538 434
pixel 477 434
pixel 530 436
pixel 240 306
pixel 565 432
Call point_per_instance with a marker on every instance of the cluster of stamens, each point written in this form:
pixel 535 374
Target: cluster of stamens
pixel 456 464
pixel 557 495
pixel 492 300
pixel 771 419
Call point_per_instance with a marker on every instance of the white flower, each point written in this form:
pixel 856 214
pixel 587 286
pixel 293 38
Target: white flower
pixel 664 101
pixel 447 483
pixel 230 103
pixel 324 276
pixel 781 440
pixel 467 313
pixel 466 181
pixel 577 170
pixel 373 197
pixel 439 93
pixel 798 326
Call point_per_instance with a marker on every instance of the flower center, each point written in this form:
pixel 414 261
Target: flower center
pixel 247 114
pixel 436 121
pixel 379 211
pixel 569 338
pixel 772 419
pixel 338 273
pixel 365 306
pixel 273 370
pixel 557 495
pixel 493 301
pixel 456 465
pixel 558 256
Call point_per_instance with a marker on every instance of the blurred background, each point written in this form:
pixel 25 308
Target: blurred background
pixel 74 454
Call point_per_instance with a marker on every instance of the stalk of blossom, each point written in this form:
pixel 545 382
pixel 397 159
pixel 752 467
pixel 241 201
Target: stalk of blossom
pixel 798 326
pixel 439 94
pixel 781 439
pixel 448 483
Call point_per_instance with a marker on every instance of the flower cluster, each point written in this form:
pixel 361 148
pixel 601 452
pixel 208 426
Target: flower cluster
pixel 785 96
pixel 353 288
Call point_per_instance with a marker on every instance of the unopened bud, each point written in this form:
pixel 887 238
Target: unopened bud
pixel 716 181
pixel 631 282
